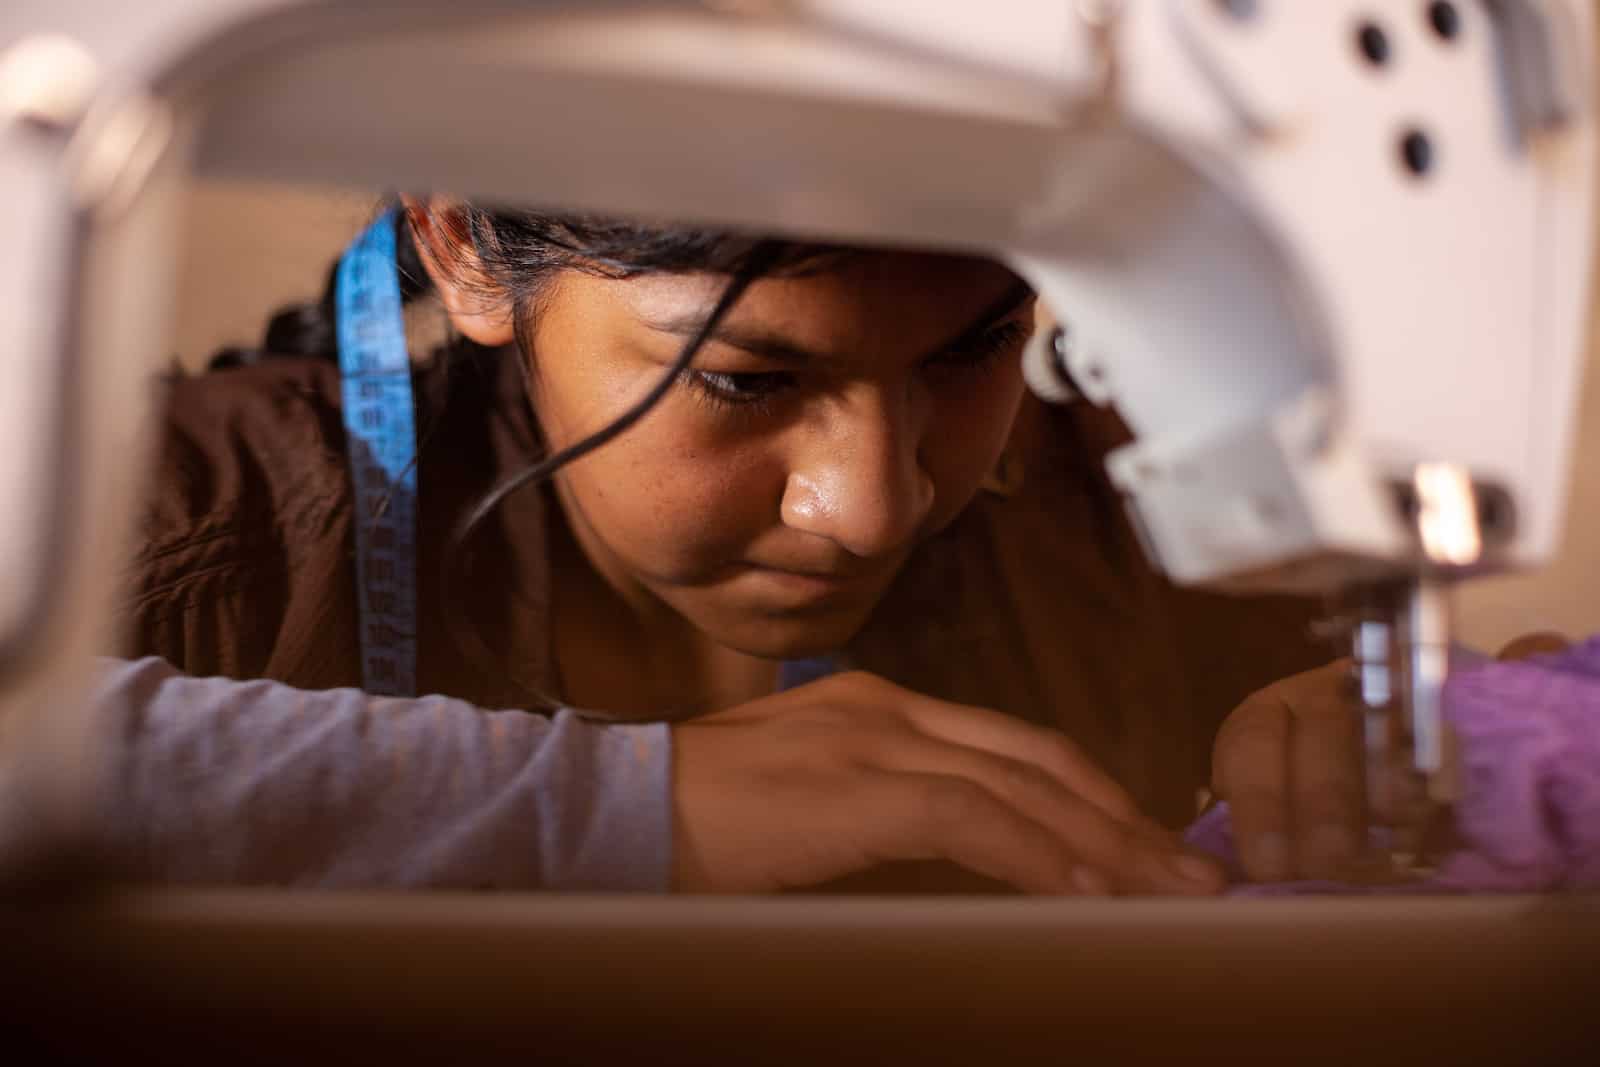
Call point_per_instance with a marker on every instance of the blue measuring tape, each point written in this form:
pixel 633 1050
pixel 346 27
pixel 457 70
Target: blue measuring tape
pixel 380 431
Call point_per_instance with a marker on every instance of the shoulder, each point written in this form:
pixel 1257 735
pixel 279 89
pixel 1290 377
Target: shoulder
pixel 247 500
pixel 240 447
pixel 244 564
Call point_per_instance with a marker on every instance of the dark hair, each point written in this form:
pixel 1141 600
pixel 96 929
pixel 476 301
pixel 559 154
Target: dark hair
pixel 517 253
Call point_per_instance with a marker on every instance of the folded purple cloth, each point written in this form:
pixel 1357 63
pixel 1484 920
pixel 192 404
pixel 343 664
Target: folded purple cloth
pixel 1529 814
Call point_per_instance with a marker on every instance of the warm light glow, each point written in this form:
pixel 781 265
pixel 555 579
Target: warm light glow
pixel 1448 514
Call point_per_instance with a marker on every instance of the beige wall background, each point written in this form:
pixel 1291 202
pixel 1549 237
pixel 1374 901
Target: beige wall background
pixel 249 249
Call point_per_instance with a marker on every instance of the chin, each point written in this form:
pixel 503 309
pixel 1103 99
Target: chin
pixel 793 637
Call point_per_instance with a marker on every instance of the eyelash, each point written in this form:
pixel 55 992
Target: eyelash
pixel 755 393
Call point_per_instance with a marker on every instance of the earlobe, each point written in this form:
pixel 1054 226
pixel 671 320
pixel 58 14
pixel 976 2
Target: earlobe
pixel 469 296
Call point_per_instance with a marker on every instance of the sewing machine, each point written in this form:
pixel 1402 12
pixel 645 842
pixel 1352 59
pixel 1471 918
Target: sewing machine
pixel 1330 261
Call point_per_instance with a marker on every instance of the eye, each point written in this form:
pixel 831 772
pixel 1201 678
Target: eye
pixel 984 350
pixel 737 389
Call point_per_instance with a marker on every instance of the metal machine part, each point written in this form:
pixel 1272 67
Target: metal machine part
pixel 1400 660
pixel 1401 652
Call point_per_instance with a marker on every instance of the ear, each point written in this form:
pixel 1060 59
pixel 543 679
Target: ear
pixel 469 295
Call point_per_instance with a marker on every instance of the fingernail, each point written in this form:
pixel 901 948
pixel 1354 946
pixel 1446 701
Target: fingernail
pixel 1269 855
pixel 1090 883
pixel 1193 868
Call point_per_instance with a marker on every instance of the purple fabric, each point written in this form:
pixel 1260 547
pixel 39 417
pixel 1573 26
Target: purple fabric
pixel 1529 816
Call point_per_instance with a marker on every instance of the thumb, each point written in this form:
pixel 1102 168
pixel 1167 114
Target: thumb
pixel 1527 646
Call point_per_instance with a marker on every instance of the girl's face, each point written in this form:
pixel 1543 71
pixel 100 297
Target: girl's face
pixel 833 423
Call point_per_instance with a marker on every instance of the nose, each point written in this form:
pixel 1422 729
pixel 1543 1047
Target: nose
pixel 859 480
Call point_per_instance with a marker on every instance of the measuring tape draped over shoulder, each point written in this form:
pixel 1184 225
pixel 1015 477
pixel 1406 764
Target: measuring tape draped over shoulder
pixel 375 366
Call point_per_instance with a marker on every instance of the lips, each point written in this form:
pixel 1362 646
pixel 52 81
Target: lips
pixel 819 576
pixel 840 575
pixel 821 581
pixel 795 588
pixel 815 589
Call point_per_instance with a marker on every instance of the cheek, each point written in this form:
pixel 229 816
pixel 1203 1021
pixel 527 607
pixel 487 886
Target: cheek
pixel 673 501
pixel 972 424
pixel 665 496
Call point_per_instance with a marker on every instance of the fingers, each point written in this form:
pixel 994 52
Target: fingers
pixel 1251 772
pixel 852 772
pixel 1290 763
pixel 930 816
pixel 1326 787
pixel 1530 645
pixel 1014 739
pixel 1117 855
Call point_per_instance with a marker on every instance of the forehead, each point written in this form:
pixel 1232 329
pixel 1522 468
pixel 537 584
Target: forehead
pixel 921 299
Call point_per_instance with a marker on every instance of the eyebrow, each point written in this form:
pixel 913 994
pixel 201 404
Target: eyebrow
pixel 780 349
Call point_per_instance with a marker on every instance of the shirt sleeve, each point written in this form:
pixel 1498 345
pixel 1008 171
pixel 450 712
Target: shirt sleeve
pixel 220 782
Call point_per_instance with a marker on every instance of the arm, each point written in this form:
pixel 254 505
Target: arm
pixel 215 781
pixel 222 782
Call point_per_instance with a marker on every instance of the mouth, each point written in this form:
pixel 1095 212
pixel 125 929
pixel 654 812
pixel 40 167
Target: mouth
pixel 814 577
pixel 807 585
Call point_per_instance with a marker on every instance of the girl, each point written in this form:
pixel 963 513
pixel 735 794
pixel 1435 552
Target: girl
pixel 799 581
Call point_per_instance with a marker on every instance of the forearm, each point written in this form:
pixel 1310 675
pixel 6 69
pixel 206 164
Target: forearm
pixel 220 782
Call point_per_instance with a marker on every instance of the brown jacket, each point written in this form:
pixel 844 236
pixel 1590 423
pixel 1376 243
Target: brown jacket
pixel 1037 602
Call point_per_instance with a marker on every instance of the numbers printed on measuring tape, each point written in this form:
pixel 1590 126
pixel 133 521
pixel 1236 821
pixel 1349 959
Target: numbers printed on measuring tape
pixel 380 430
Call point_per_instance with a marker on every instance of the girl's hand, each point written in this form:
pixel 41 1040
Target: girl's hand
pixel 1289 762
pixel 850 772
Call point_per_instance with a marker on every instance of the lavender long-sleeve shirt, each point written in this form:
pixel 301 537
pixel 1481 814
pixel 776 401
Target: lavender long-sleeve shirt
pixel 221 782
